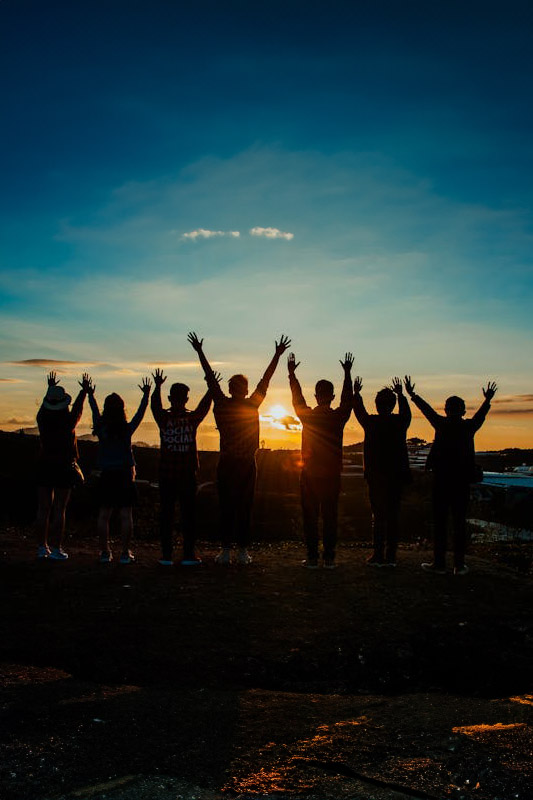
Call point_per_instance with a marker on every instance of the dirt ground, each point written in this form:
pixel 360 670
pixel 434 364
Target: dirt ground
pixel 133 682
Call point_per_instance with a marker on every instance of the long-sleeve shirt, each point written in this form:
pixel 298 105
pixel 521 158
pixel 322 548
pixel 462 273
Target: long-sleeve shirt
pixel 237 419
pixel 116 451
pixel 452 454
pixel 57 432
pixel 322 430
pixel 385 449
pixel 177 431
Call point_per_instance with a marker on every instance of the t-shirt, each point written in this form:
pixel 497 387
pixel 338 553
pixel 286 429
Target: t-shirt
pixel 177 432
pixel 385 447
pixel 322 431
pixel 237 421
pixel 115 452
pixel 452 454
pixel 57 433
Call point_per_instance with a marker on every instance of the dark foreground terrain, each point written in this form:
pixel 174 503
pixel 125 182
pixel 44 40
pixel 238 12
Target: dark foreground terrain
pixel 268 681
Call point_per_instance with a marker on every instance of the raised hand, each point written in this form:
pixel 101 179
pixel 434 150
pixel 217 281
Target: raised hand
pixel 292 364
pixel 396 386
pixel 217 376
pixel 158 377
pixel 145 385
pixel 347 364
pixel 409 385
pixel 52 379
pixel 195 342
pixel 283 344
pixel 490 391
pixel 357 384
pixel 87 384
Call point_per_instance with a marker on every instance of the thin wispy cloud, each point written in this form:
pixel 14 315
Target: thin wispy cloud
pixel 271 233
pixel 10 380
pixel 203 233
pixel 49 362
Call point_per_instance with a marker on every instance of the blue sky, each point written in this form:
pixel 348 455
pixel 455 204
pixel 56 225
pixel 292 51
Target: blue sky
pixel 387 143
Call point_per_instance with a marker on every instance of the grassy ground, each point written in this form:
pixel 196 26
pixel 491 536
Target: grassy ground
pixel 264 681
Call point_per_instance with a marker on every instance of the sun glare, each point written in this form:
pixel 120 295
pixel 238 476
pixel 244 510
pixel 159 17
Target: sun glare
pixel 278 412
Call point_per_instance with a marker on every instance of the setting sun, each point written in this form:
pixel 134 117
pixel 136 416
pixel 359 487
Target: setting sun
pixel 278 412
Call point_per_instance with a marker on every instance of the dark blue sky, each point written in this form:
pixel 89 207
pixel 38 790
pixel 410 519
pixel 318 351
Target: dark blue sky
pixel 393 140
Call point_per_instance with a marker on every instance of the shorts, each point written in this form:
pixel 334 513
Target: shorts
pixel 58 476
pixel 116 489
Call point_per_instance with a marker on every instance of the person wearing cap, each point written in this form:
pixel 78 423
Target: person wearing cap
pixel 57 465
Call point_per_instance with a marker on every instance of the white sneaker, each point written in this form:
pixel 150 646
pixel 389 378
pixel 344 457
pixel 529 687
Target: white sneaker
pixel 58 554
pixel 243 557
pixel 461 570
pixel 224 557
pixel 43 551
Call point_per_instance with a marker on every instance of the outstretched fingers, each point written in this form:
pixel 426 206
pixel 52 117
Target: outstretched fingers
pixel 292 364
pixel 194 341
pixel 409 385
pixel 396 385
pixel 145 385
pixel 52 379
pixel 283 344
pixel 491 390
pixel 347 364
pixel 158 376
pixel 357 384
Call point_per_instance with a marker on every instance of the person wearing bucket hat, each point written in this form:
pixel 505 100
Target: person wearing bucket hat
pixel 117 464
pixel 57 465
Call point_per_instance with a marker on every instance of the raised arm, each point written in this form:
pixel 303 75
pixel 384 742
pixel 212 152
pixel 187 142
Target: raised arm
pixel 95 410
pixel 201 410
pixel 155 402
pixel 479 417
pixel 137 418
pixel 210 377
pixel 87 388
pixel 361 414
pixel 298 400
pixel 404 412
pixel 429 412
pixel 346 394
pixel 258 395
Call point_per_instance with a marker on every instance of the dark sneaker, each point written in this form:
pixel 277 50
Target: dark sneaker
pixel 106 557
pixel 191 561
pixel 430 567
pixel 127 557
pixel 224 557
pixel 329 563
pixel 461 570
pixel 58 554
pixel 375 562
pixel 166 562
pixel 43 551
pixel 243 557
pixel 310 563
pixel 389 564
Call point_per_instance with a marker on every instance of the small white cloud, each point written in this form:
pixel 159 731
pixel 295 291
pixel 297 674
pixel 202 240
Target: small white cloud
pixel 271 233
pixel 202 233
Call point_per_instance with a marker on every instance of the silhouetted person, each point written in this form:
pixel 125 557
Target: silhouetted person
pixel 452 461
pixel 386 465
pixel 237 419
pixel 117 465
pixel 57 465
pixel 178 465
pixel 320 479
